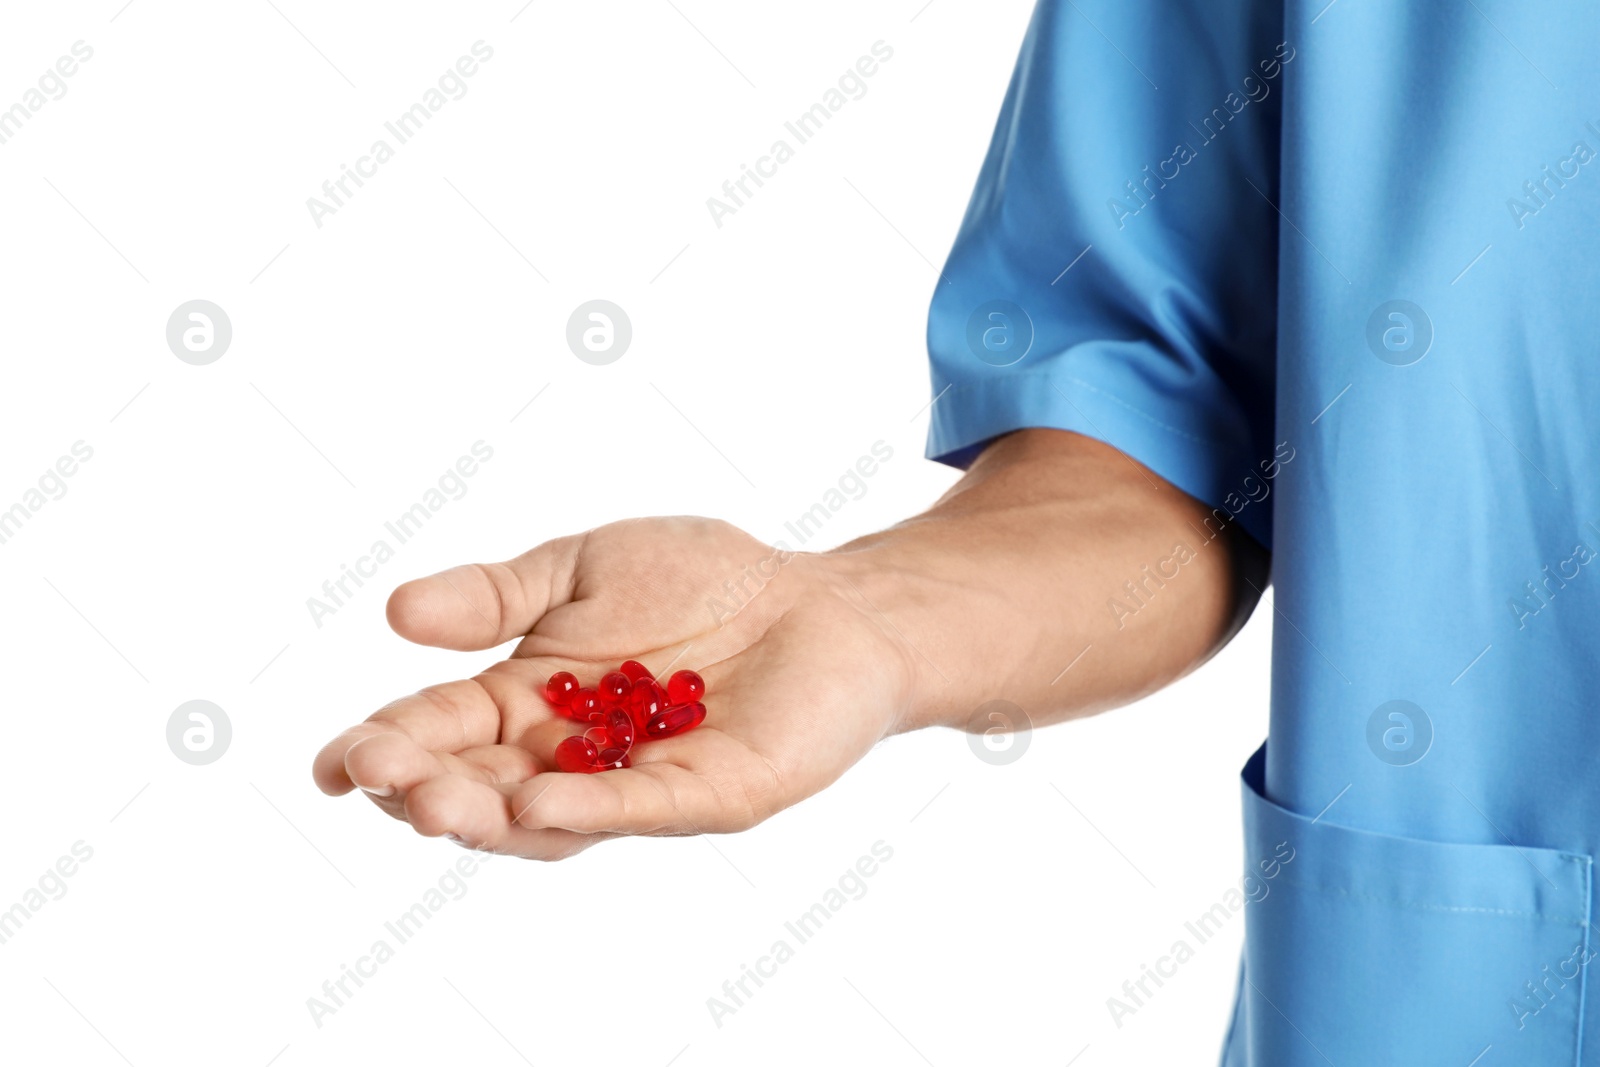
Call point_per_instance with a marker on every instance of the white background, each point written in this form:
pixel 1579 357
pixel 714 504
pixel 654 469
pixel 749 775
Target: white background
pixel 366 358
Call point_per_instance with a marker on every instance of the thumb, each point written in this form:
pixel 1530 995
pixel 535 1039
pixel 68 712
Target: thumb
pixel 481 605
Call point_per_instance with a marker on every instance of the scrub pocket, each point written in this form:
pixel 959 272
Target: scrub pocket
pixel 1370 950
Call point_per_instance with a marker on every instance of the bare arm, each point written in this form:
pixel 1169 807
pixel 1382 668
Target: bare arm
pixel 990 594
pixel 1011 576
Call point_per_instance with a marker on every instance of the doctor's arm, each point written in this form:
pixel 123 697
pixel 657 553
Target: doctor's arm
pixel 990 594
pixel 1138 306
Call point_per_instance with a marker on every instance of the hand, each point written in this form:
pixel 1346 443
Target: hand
pixel 802 679
pixel 993 593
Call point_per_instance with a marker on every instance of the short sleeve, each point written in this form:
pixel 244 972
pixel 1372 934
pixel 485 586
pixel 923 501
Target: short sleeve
pixel 1116 271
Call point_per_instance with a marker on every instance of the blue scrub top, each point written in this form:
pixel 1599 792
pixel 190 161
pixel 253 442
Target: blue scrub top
pixel 1331 268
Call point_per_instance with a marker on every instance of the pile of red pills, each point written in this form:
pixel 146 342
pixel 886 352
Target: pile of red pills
pixel 628 705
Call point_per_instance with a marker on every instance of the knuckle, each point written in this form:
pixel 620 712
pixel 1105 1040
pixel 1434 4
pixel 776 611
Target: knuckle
pixel 442 700
pixel 528 806
pixel 501 584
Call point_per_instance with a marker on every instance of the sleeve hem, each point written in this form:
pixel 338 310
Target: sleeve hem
pixel 967 416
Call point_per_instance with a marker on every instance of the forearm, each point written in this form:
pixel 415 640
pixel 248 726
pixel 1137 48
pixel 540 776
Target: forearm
pixel 1055 551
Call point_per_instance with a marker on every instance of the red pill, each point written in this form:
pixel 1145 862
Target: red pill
pixel 685 687
pixel 675 721
pixel 620 730
pixel 634 670
pixel 613 759
pixel 567 711
pixel 646 699
pixel 644 693
pixel 577 755
pixel 559 689
pixel 584 705
pixel 614 687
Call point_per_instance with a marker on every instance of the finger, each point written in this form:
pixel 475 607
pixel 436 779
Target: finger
pixel 441 718
pixel 479 816
pixel 481 605
pixel 650 798
pixel 495 764
pixel 388 765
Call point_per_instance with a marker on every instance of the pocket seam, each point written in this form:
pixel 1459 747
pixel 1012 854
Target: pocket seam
pixel 1561 920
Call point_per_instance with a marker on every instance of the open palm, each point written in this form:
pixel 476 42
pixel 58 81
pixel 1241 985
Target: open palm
pixel 803 677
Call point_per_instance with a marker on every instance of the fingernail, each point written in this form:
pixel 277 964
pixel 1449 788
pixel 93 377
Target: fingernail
pixel 458 840
pixel 379 791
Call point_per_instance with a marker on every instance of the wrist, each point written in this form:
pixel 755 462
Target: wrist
pixel 898 588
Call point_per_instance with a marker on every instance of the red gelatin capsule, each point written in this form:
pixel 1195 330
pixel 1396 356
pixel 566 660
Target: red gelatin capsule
pixel 620 730
pixel 685 687
pixel 646 699
pixel 644 693
pixel 559 689
pixel 584 705
pixel 675 721
pixel 634 670
pixel 614 687
pixel 613 759
pixel 577 755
